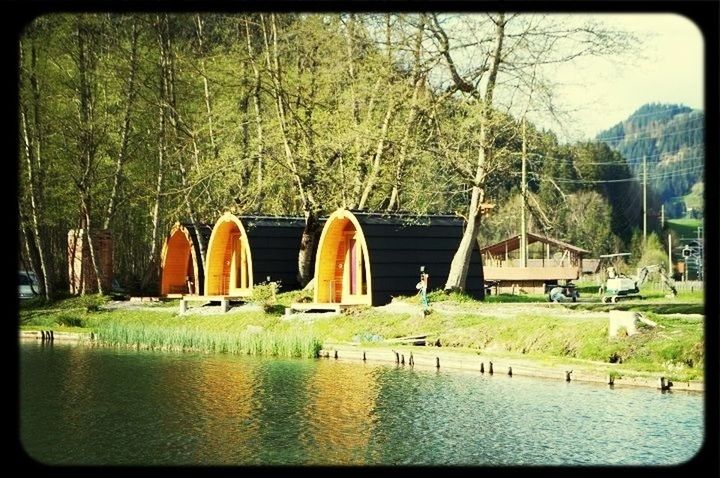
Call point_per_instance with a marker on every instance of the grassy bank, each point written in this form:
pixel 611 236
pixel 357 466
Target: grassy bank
pixel 158 327
pixel 541 331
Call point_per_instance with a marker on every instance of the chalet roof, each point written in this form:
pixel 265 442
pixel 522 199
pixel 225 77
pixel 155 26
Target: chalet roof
pixel 513 243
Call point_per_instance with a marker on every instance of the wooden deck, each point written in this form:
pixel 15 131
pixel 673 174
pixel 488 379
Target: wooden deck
pixel 317 307
pixel 223 299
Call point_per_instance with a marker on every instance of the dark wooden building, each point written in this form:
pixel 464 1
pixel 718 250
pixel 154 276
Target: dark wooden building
pixel 367 258
pixel 247 250
pixel 182 258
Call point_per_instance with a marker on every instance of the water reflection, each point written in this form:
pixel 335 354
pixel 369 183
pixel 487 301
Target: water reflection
pixel 80 405
pixel 340 412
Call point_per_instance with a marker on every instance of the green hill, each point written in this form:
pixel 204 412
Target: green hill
pixel 671 138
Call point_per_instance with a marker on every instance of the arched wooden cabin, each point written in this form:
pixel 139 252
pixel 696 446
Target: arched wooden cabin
pixel 367 258
pixel 181 259
pixel 246 250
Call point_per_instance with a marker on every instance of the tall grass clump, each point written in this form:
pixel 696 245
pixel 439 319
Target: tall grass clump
pixel 293 343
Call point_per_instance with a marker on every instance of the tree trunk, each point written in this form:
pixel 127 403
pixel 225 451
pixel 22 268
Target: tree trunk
pixel 33 160
pixel 256 107
pixel 122 154
pixel 163 98
pixel 37 238
pixel 86 144
pixel 461 260
pixel 191 213
pixel 91 246
pixel 402 157
pixel 208 107
pixel 306 256
pixel 375 168
pixel 419 80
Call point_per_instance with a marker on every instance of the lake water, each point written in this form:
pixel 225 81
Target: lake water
pixel 105 406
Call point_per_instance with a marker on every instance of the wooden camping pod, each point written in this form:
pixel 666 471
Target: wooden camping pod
pixel 182 269
pixel 367 258
pixel 246 250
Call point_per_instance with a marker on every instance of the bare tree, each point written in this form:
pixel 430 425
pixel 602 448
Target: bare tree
pixel 130 94
pixel 32 141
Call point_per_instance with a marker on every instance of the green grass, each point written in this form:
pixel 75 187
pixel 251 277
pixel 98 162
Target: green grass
pixel 538 332
pixel 686 228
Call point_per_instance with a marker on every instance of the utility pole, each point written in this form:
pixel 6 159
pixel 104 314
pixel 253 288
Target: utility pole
pixel 701 252
pixel 523 189
pixel 670 264
pixel 644 200
pixel 662 217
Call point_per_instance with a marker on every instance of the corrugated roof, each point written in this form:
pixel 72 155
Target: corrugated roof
pixel 513 243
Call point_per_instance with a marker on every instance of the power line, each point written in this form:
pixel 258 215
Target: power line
pixel 663 112
pixel 610 163
pixel 623 180
pixel 634 138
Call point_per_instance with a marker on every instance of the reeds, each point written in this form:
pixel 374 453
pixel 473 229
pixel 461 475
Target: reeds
pixel 249 342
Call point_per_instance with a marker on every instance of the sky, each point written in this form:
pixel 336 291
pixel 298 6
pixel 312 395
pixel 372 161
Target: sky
pixel 602 92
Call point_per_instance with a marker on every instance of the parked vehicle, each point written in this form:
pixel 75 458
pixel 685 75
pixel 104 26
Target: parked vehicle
pixel 619 286
pixel 28 285
pixel 561 293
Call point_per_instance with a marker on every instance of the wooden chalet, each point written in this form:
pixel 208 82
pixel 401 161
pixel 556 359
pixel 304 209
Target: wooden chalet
pixel 550 261
pixel 247 250
pixel 367 258
pixel 182 259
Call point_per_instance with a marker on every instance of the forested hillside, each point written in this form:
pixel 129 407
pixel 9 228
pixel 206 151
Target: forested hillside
pixel 671 138
pixel 133 122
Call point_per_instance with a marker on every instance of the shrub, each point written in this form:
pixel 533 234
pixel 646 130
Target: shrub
pixel 264 294
pixel 70 321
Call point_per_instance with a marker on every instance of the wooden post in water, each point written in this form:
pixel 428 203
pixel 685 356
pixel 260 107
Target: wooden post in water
pixel 336 355
pixel 510 371
pixel 411 361
pixel 364 359
pixel 437 362
pixel 567 375
pixel 663 385
pixel 490 369
pixel 611 380
pixel 397 357
pixel 402 359
pixel 482 367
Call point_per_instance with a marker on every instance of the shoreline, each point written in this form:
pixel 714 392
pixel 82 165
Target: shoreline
pixel 437 358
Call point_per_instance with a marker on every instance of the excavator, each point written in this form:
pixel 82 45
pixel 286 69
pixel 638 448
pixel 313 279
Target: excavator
pixel 619 286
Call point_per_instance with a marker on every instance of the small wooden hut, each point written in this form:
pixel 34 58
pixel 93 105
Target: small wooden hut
pixel 80 269
pixel 247 250
pixel 367 258
pixel 182 258
pixel 552 261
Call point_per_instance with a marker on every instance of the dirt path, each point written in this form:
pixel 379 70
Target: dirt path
pixel 493 310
